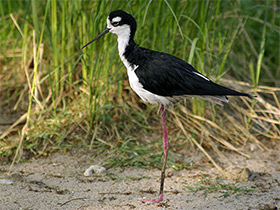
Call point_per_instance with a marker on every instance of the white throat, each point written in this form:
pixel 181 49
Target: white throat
pixel 123 32
pixel 123 39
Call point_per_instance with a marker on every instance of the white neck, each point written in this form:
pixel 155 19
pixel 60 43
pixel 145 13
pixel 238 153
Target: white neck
pixel 123 39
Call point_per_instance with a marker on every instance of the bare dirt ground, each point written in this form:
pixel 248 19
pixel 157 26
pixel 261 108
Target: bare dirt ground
pixel 57 182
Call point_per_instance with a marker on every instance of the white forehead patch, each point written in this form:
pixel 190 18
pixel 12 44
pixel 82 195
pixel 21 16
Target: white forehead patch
pixel 116 19
pixel 109 25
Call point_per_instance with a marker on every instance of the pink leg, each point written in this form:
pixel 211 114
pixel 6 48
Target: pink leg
pixel 165 146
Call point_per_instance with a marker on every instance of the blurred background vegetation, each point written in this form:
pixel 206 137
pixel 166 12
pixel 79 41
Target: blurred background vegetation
pixel 56 97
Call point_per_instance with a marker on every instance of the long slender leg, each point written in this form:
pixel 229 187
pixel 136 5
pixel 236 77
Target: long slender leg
pixel 165 146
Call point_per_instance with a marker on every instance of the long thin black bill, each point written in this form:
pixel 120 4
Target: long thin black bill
pixel 103 33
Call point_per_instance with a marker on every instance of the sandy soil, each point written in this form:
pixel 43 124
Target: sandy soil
pixel 57 182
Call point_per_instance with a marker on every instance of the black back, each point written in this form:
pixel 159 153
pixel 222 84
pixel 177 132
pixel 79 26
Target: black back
pixel 167 75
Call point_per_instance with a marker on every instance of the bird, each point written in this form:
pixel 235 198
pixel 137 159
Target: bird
pixel 160 78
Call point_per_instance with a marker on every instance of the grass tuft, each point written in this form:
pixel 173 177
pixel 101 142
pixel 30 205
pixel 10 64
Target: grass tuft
pixel 226 189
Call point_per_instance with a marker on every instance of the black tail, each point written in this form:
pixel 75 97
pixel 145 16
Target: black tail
pixel 221 90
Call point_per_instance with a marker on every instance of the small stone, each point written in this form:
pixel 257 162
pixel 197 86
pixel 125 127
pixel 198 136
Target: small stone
pixel 270 207
pixel 245 174
pixel 6 181
pixel 241 174
pixel 94 169
pixel 253 147
pixel 170 174
pixel 262 206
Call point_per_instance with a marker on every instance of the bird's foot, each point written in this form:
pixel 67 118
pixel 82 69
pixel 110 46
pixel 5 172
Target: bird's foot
pixel 160 198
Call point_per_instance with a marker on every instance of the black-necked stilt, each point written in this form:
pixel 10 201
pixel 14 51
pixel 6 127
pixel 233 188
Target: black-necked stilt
pixel 160 78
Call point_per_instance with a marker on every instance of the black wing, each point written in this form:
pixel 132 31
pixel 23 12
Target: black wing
pixel 167 75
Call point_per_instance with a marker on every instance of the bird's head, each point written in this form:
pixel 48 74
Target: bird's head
pixel 120 23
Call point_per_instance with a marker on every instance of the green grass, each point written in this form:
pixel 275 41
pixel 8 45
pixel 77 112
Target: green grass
pixel 82 97
pixel 226 189
pixel 143 154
